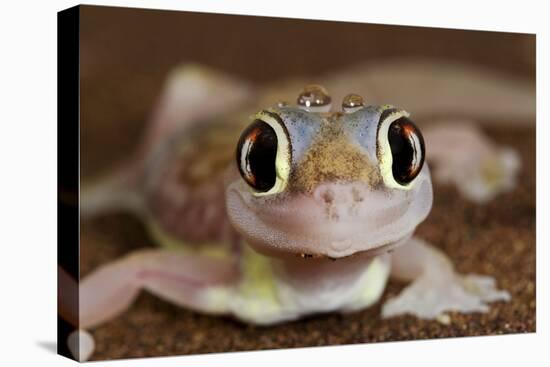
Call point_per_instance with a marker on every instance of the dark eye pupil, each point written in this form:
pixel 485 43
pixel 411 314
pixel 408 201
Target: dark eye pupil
pixel 407 148
pixel 256 153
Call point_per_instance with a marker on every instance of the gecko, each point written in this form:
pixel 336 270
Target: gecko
pixel 270 210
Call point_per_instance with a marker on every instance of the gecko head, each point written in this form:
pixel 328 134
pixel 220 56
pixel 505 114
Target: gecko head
pixel 316 183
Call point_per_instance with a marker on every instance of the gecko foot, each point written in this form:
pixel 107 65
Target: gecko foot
pixel 430 295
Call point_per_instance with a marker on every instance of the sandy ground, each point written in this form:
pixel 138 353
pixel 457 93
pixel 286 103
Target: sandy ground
pixel 125 55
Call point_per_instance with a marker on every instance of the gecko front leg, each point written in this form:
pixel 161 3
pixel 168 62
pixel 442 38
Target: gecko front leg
pixel 435 286
pixel 190 280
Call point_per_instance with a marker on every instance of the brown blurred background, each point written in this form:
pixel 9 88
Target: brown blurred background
pixel 125 56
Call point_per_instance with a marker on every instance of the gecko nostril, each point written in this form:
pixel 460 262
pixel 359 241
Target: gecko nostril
pixel 357 196
pixel 327 196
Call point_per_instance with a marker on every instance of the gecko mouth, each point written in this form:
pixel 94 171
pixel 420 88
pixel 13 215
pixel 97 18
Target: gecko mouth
pixel 386 248
pixel 306 227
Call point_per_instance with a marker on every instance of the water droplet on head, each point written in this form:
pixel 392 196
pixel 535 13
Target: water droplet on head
pixel 352 102
pixel 314 98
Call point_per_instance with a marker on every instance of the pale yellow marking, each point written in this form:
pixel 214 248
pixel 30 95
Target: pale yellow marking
pixel 376 278
pixel 493 172
pixel 257 289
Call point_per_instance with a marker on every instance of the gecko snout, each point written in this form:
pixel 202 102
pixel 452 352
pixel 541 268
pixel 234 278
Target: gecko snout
pixel 332 194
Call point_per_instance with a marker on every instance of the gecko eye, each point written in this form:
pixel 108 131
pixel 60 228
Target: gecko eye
pixel 401 151
pixel 263 155
pixel 256 154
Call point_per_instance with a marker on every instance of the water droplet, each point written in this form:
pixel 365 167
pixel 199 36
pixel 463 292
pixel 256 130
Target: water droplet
pixel 282 104
pixel 314 98
pixel 352 102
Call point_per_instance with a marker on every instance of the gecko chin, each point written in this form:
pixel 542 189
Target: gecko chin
pixel 337 220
